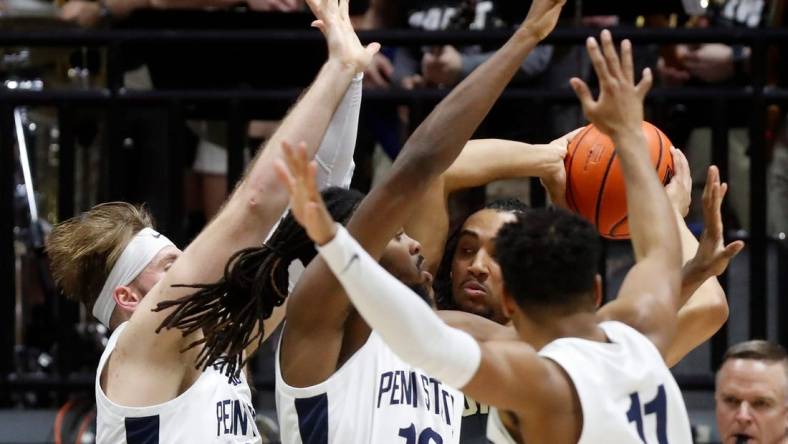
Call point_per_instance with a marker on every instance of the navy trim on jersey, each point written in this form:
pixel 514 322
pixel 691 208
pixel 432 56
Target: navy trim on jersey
pixel 313 419
pixel 143 430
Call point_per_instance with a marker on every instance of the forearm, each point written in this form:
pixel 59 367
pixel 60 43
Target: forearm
pixel 306 122
pixel 335 156
pixel 485 160
pixel 399 316
pixel 704 308
pixel 439 139
pixel 652 228
pixel 435 145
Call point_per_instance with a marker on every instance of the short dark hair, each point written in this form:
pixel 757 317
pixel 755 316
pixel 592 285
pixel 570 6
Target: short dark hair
pixel 758 350
pixel 442 286
pixel 548 258
pixel 508 205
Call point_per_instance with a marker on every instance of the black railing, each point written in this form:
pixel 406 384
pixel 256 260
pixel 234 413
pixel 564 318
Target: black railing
pixel 241 104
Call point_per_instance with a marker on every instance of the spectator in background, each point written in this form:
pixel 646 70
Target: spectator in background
pixel 720 65
pixel 206 186
pixel 752 394
pixel 90 13
pixel 445 65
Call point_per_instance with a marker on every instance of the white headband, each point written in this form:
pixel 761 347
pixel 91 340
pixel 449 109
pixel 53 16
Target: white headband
pixel 142 248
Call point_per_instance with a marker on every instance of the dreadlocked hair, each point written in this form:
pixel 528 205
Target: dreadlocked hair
pixel 444 299
pixel 231 311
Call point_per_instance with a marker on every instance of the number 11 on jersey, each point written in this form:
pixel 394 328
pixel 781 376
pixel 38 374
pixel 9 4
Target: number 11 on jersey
pixel 657 406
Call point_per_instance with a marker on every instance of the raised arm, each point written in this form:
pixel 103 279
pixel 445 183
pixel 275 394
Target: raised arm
pixel 403 320
pixel 335 156
pixel 483 161
pixel 650 296
pixel 705 307
pixel 427 154
pixel 259 199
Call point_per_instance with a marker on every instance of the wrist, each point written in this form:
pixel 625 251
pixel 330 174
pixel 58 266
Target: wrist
pixel 326 236
pixel 342 67
pixel 628 138
pixel 693 274
pixel 526 34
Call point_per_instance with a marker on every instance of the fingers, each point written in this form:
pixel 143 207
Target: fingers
pixel 295 158
pixel 713 193
pixel 344 10
pixel 681 166
pixel 311 180
pixel 627 65
pixel 611 57
pixel 732 249
pixel 373 49
pixel 712 186
pixel 598 61
pixel 571 135
pixel 319 24
pixel 284 176
pixel 644 86
pixel 582 92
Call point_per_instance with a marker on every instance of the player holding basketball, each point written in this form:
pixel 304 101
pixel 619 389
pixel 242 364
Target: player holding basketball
pixel 587 376
pixel 111 259
pixel 336 379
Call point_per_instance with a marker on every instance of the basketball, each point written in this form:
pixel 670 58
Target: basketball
pixel 595 181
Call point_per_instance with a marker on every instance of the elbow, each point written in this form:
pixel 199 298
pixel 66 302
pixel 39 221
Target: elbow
pixel 261 196
pixel 719 310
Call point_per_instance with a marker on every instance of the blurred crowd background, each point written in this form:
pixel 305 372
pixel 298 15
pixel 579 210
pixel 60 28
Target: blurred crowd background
pixel 163 102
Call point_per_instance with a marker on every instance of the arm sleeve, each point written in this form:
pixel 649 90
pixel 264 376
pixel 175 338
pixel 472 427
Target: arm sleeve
pixel 408 325
pixel 335 155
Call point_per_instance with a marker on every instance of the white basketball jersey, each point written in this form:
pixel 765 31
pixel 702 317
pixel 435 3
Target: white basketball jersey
pixel 375 397
pixel 212 410
pixel 626 391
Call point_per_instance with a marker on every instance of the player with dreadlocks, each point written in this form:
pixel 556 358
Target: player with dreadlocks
pixel 147 388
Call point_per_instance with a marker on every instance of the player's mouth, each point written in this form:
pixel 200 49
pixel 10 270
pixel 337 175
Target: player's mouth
pixel 476 292
pixel 420 262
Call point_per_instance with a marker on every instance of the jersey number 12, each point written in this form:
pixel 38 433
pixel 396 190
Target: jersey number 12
pixel 657 406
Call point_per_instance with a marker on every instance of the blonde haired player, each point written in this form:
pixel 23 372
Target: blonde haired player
pixel 110 259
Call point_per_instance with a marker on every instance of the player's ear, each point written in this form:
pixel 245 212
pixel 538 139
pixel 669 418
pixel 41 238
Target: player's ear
pixel 508 304
pixel 126 298
pixel 597 290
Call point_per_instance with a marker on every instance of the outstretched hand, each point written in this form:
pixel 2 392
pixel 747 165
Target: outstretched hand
pixel 554 181
pixel 333 20
pixel 542 17
pixel 306 203
pixel 619 107
pixel 713 255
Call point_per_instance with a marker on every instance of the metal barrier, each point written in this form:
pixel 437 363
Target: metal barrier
pixel 239 104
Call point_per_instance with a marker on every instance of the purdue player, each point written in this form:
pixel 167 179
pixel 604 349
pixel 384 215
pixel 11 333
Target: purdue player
pixel 112 260
pixel 336 380
pixel 598 376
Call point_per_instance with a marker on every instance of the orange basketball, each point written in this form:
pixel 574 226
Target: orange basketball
pixel 595 183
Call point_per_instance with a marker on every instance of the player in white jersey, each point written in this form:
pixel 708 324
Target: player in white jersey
pixel 323 335
pixel 586 376
pixel 112 260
